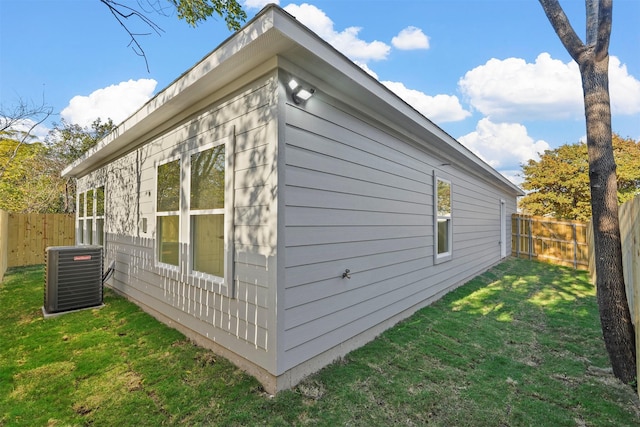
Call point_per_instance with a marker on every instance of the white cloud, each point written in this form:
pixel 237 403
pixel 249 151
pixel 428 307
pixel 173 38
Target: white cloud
pixel 505 146
pixel 366 68
pixel 258 4
pixel 624 89
pixel 515 176
pixel 346 41
pixel 116 102
pixel 411 38
pixel 439 108
pixel 513 90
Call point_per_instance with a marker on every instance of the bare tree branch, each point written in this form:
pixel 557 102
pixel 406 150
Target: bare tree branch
pixel 122 13
pixel 192 11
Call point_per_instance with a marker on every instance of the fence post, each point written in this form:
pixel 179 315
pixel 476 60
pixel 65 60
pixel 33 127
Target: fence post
pixel 575 246
pixel 530 239
pixel 4 242
pixel 517 237
pixel 634 257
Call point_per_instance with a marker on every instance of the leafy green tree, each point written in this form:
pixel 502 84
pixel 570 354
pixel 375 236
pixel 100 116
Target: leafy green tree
pixel 627 156
pixel 28 184
pixel 592 58
pixel 30 172
pixel 31 182
pixel 196 11
pixel 558 183
pixel 17 124
pixel 66 143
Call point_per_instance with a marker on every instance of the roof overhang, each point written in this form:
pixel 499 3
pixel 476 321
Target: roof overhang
pixel 273 33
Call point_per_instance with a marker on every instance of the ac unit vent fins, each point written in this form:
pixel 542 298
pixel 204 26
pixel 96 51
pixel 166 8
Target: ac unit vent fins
pixel 73 278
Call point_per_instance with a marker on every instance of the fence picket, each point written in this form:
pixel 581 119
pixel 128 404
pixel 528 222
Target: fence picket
pixel 550 240
pixel 629 219
pixel 28 235
pixel 4 236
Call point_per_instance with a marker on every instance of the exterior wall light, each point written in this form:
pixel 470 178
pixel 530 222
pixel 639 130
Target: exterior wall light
pixel 299 94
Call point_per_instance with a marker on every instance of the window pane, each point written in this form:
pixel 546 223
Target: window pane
pixel 208 243
pixel 100 231
pixel 89 231
pixel 80 231
pixel 90 203
pixel 207 179
pixel 169 186
pixel 81 205
pixel 100 201
pixel 168 232
pixel 444 199
pixel 443 235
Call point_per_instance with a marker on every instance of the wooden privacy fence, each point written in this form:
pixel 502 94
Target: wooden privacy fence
pixel 24 237
pixel 550 240
pixel 4 235
pixel 629 216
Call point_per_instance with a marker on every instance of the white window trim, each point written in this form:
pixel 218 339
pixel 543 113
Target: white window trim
pixel 503 229
pixel 446 256
pixel 83 237
pixel 167 213
pixel 80 219
pixel 97 217
pixel 225 283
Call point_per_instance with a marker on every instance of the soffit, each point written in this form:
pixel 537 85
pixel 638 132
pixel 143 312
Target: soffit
pixel 275 33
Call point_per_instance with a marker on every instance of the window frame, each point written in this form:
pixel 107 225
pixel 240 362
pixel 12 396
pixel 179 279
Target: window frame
pixel 99 231
pixel 167 214
pixel 223 283
pixel 82 211
pixel 195 212
pixel 87 232
pixel 447 255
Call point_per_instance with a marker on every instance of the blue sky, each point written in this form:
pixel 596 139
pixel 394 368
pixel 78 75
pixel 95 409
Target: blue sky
pixel 492 73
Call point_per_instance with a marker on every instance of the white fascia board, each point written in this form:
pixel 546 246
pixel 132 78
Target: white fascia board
pixel 319 58
pixel 232 58
pixel 271 33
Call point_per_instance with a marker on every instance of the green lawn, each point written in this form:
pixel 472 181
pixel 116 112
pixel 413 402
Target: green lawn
pixel 517 346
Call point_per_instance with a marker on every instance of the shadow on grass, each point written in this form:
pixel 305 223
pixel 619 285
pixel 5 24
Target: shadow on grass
pixel 518 345
pixel 511 285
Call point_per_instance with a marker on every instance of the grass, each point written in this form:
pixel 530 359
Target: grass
pixel 517 346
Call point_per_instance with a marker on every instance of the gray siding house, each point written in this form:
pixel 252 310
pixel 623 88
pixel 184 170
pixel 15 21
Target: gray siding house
pixel 283 232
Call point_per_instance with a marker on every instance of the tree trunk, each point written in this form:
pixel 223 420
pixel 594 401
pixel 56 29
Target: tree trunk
pixel 615 316
pixel 593 59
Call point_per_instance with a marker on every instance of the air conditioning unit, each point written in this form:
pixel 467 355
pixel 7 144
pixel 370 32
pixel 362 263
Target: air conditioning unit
pixel 73 278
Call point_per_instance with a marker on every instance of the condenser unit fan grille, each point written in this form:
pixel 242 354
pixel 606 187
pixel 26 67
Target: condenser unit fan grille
pixel 73 278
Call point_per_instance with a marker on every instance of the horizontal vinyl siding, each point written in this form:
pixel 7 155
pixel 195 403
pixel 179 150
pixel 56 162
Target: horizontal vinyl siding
pixel 240 321
pixel 359 198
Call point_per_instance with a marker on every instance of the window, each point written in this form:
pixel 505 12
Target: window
pixel 168 212
pixel 88 222
pixel 193 222
pixel 91 217
pixel 442 229
pixel 206 203
pixel 80 231
pixel 99 217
